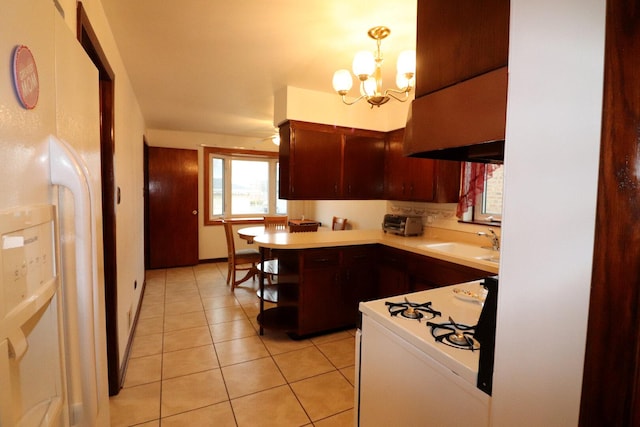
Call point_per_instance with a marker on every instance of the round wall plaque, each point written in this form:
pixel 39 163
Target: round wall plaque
pixel 25 77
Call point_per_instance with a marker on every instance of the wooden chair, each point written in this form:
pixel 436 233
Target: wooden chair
pixel 275 223
pixel 299 228
pixel 235 258
pixel 338 223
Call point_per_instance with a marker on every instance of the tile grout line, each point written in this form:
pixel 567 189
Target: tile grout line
pixel 246 308
pixel 164 314
pixel 215 349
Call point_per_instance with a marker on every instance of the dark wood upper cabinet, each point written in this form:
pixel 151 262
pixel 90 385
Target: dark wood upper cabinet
pixel 323 162
pixel 462 52
pixel 312 162
pixel 415 179
pixel 458 40
pixel 363 166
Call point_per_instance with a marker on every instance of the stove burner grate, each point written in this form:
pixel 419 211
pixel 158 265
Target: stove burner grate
pixel 454 335
pixel 412 310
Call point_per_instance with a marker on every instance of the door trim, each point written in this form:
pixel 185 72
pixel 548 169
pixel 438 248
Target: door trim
pixel 89 41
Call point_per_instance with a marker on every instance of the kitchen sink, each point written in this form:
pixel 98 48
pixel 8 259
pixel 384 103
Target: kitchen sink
pixel 465 250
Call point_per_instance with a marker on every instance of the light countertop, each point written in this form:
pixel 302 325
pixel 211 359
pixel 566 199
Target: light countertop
pixel 415 244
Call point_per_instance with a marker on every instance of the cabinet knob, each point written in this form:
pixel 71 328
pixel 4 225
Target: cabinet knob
pixel 194 212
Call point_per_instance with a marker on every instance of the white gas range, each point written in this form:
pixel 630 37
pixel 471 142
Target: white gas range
pixel 415 366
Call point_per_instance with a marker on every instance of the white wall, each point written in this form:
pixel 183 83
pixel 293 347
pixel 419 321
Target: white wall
pixel 551 170
pixel 129 130
pixel 360 214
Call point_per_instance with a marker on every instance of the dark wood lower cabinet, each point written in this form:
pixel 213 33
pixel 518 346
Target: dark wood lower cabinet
pixel 392 272
pixel 332 283
pixel 321 288
pixel 429 273
pixel 358 279
pixel 319 306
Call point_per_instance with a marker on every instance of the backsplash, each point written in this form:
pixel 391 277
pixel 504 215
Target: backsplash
pixel 439 220
pixel 430 212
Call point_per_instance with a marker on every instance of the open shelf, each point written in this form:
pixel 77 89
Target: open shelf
pixel 279 318
pixel 283 290
pixel 269 266
pixel 270 293
pixel 280 293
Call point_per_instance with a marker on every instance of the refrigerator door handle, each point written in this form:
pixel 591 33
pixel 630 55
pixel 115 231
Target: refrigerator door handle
pixel 69 170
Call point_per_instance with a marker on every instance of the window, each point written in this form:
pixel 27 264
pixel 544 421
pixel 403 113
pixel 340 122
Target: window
pixel 488 207
pixel 240 184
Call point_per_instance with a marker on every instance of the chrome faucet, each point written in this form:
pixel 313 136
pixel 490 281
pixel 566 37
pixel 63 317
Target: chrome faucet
pixel 495 240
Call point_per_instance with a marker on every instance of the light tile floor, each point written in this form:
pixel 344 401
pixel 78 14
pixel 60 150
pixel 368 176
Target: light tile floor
pixel 197 360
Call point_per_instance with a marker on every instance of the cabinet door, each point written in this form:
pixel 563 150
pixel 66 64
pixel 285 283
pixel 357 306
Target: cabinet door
pixel 319 307
pixel 359 279
pixel 447 181
pixel 395 180
pixel 314 163
pixel 407 178
pixel 457 40
pixel 422 180
pixel 363 167
pixel 392 274
pixel 284 162
pixel 416 179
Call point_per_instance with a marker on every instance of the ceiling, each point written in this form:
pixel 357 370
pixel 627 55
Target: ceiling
pixel 213 66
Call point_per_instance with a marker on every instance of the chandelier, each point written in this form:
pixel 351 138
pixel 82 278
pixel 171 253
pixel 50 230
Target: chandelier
pixel 367 68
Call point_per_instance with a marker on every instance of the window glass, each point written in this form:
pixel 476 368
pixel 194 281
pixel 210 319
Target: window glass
pixel 217 187
pixel 490 206
pixel 281 204
pixel 241 183
pixel 249 187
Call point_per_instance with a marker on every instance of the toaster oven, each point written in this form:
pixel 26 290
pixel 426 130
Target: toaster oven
pixel 403 225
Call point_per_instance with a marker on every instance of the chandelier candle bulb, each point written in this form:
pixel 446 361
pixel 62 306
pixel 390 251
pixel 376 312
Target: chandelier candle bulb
pixel 342 81
pixel 364 64
pixel 369 87
pixel 406 64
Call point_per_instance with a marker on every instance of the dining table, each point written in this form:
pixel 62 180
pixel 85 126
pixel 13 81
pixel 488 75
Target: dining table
pixel 250 233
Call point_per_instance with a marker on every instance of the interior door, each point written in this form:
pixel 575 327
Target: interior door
pixel 173 207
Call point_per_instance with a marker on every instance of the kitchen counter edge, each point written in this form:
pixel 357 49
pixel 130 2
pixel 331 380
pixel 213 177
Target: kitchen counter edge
pixel 415 244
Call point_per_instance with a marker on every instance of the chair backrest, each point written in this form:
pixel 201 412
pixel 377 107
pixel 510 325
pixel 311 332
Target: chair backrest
pixel 277 222
pixel 299 228
pixel 338 223
pixel 231 247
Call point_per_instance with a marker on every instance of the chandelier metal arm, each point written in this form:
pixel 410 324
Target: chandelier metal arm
pixel 344 99
pixel 391 92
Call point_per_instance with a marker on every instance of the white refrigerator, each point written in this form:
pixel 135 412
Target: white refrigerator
pixel 52 322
